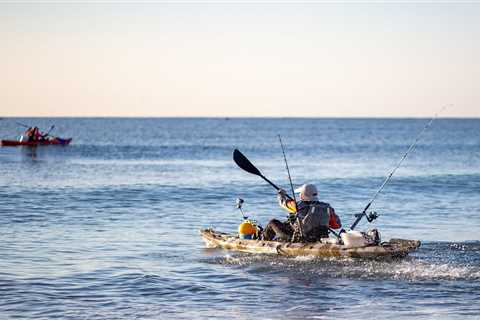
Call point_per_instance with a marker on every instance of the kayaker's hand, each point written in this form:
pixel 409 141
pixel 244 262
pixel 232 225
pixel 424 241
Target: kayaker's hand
pixel 292 217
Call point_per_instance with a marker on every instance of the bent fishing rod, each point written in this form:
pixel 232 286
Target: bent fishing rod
pixel 372 216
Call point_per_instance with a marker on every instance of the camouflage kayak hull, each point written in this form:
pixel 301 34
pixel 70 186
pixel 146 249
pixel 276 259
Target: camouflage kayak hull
pixel 395 248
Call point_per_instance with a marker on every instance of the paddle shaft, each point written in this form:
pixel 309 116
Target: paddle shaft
pixel 26 126
pixel 245 164
pixel 48 132
pixel 273 185
pixel 22 124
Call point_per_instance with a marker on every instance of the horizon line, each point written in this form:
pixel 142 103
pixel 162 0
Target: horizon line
pixel 239 117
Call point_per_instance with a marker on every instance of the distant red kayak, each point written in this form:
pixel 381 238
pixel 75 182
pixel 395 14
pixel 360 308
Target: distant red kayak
pixel 54 141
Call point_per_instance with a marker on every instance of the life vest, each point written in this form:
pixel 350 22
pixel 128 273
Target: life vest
pixel 36 133
pixel 314 218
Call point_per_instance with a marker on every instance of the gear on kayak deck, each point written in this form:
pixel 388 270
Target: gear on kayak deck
pixel 352 243
pixel 329 247
pixel 248 229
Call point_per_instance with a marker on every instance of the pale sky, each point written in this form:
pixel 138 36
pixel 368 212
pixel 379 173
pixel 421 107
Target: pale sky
pixel 234 59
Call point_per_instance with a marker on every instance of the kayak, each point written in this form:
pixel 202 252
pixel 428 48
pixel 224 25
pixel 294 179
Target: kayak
pixel 395 248
pixel 54 141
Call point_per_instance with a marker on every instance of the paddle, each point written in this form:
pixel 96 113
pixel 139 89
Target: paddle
pixel 27 126
pixel 48 132
pixel 246 165
pixel 22 124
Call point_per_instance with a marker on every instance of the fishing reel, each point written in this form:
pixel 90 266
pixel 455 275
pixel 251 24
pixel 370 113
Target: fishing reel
pixel 373 215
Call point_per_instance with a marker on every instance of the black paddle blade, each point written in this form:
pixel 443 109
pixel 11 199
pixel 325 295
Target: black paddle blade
pixel 244 163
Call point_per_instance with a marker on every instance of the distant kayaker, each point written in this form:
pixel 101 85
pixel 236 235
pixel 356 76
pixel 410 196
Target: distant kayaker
pixel 29 133
pixel 314 217
pixel 34 134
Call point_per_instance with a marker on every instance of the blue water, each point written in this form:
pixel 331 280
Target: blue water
pixel 108 227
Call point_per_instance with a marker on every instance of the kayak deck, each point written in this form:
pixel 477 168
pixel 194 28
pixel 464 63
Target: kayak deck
pixel 56 141
pixel 395 248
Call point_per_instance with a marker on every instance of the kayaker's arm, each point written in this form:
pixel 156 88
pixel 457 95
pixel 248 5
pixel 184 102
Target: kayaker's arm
pixel 285 202
pixel 334 220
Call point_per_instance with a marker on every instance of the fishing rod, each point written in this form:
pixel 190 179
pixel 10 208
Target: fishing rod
pixel 288 171
pixel 372 216
pixel 293 191
pixel 300 227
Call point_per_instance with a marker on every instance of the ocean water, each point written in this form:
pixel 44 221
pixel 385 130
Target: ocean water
pixel 108 227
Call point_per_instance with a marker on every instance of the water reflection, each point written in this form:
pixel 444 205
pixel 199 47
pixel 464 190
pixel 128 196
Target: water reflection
pixel 29 152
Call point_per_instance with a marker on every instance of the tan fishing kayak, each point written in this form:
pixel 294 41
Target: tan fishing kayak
pixel 395 248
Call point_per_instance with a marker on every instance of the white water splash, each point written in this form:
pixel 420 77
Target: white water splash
pixel 406 270
pixel 422 270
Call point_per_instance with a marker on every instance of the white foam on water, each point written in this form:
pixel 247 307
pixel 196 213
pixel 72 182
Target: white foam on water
pixel 423 270
pixel 409 269
pixel 295 308
pixel 305 258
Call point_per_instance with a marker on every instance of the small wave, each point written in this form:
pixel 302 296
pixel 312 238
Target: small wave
pixel 424 270
pixel 304 258
pixel 410 269
pixel 294 308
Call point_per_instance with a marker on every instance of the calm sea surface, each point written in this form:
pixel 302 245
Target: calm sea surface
pixel 108 227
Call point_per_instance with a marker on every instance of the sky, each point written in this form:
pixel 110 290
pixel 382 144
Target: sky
pixel 228 59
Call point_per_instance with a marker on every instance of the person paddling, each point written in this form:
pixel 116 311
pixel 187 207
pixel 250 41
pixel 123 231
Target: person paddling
pixel 309 217
pixel 29 133
pixel 37 135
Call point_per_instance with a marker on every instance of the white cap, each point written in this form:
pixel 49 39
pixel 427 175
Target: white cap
pixel 309 192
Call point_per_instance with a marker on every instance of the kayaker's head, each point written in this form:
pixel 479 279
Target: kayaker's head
pixel 308 192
